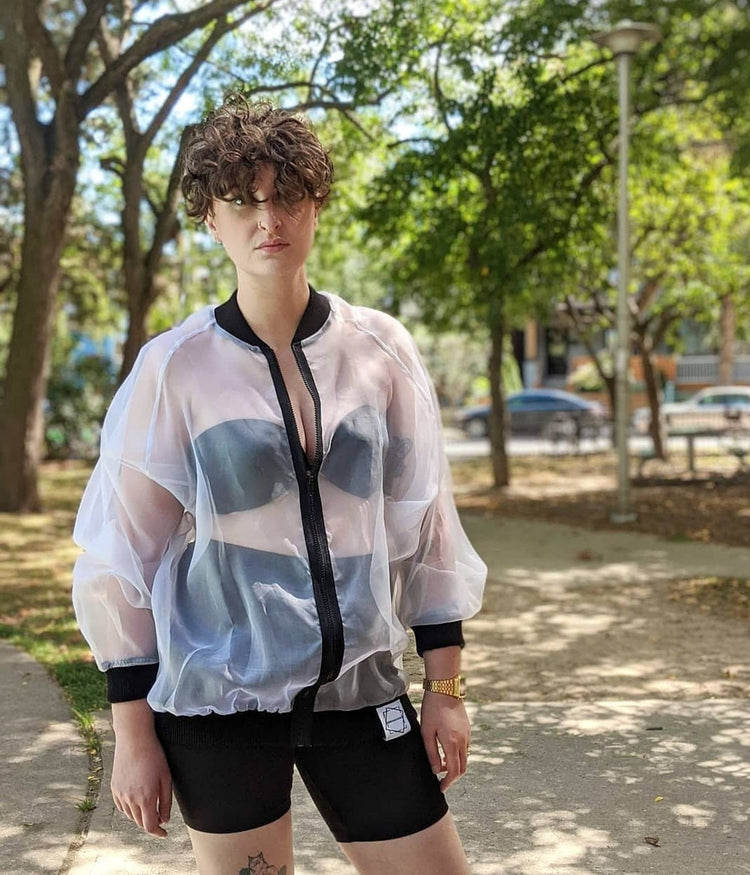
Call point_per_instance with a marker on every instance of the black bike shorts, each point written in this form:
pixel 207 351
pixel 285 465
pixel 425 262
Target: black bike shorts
pixel 367 771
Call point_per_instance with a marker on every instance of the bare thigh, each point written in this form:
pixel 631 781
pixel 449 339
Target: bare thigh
pixel 436 850
pixel 238 853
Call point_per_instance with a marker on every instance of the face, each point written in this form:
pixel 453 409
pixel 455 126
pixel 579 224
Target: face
pixel 264 237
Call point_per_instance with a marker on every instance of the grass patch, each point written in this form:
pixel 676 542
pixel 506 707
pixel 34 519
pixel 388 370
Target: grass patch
pixel 36 614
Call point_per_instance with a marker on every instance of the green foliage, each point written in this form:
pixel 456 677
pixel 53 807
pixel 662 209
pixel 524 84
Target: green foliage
pixel 79 390
pixel 586 378
pixel 499 175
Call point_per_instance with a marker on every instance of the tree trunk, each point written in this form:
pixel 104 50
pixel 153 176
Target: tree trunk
pixel 136 336
pixel 48 196
pixel 141 265
pixel 652 393
pixel 499 457
pixel 726 351
pixel 22 413
pixel 584 335
pixel 137 280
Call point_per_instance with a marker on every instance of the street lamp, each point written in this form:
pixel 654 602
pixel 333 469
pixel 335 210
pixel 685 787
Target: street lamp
pixel 624 40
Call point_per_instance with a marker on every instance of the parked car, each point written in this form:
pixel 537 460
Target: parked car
pixel 715 407
pixel 547 413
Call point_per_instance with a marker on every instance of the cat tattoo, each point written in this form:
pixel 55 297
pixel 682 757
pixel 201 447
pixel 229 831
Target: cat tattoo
pixel 257 866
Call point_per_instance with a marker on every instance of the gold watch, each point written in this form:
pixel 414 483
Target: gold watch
pixel 455 686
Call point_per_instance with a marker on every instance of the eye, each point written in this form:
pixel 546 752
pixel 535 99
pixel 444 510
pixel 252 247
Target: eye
pixel 238 201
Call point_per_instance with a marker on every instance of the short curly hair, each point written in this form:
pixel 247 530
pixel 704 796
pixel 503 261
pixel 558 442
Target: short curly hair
pixel 225 151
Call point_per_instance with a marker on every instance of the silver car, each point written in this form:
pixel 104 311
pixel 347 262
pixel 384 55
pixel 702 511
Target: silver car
pixel 714 408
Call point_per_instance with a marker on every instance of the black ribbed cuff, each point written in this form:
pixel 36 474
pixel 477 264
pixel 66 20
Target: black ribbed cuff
pixel 439 635
pixel 130 682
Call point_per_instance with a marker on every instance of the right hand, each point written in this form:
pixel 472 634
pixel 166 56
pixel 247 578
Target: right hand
pixel 141 782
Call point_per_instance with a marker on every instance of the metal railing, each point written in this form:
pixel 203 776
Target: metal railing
pixel 704 370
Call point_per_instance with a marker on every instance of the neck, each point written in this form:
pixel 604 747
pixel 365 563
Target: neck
pixel 273 306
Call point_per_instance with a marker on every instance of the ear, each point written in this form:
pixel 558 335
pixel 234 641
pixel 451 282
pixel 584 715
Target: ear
pixel 211 225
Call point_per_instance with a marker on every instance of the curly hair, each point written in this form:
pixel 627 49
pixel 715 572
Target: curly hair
pixel 225 151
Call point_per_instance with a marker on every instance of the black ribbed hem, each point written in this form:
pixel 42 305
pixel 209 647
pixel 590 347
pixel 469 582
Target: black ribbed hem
pixel 130 682
pixel 438 635
pixel 247 729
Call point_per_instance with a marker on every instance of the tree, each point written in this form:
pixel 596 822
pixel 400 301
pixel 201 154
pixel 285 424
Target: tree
pixel 690 225
pixel 54 83
pixel 501 173
pixel 494 178
pixel 301 73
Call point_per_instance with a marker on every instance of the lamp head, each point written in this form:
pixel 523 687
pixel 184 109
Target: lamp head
pixel 626 37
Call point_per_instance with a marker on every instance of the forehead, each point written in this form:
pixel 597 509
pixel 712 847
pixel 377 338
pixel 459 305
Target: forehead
pixel 265 178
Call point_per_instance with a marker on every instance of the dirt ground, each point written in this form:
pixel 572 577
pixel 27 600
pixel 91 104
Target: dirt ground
pixel 712 505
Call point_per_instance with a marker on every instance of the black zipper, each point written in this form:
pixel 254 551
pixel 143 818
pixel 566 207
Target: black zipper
pixel 313 525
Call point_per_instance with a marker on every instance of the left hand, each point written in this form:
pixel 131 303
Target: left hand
pixel 446 733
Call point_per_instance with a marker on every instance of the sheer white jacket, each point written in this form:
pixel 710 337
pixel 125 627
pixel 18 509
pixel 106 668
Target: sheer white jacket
pixel 215 550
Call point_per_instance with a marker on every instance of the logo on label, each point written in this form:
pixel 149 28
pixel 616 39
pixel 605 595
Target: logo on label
pixel 394 720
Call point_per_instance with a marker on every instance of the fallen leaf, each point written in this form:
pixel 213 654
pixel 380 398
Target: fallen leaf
pixel 652 840
pixel 658 798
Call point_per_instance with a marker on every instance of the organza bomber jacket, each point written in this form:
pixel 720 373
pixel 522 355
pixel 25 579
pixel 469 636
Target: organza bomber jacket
pixel 245 573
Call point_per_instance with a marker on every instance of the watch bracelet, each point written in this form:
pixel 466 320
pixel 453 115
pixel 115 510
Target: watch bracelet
pixel 446 686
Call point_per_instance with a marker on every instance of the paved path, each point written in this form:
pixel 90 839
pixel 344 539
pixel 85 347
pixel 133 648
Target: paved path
pixel 569 787
pixel 43 769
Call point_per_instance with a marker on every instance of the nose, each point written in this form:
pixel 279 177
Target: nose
pixel 270 220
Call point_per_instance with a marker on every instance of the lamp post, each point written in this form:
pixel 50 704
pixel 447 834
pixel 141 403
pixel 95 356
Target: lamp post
pixel 624 40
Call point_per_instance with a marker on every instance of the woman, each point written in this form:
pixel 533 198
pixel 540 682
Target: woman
pixel 269 513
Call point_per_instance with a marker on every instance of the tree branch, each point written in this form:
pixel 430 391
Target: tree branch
pixel 220 28
pixel 20 95
pixel 114 165
pixel 319 59
pixel 581 329
pixel 439 96
pixel 46 49
pixel 166 218
pixel 163 33
pixel 82 36
pixel 109 48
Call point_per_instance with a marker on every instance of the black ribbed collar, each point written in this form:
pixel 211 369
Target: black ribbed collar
pixel 229 317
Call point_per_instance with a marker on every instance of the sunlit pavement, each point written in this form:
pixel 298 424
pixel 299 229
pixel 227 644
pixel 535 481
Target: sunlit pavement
pixel 649 774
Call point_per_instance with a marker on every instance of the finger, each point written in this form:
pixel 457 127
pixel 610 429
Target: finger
pixel 137 814
pixel 150 821
pixel 127 811
pixel 433 753
pixel 165 800
pixel 453 765
pixel 463 760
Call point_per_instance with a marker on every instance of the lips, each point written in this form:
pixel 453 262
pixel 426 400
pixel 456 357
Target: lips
pixel 272 246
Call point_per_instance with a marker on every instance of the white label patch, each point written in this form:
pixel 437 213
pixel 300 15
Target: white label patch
pixel 394 720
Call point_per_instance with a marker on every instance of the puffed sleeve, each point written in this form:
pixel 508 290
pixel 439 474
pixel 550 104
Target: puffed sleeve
pixel 438 576
pixel 130 512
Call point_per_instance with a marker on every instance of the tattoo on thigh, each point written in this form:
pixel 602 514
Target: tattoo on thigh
pixel 257 866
